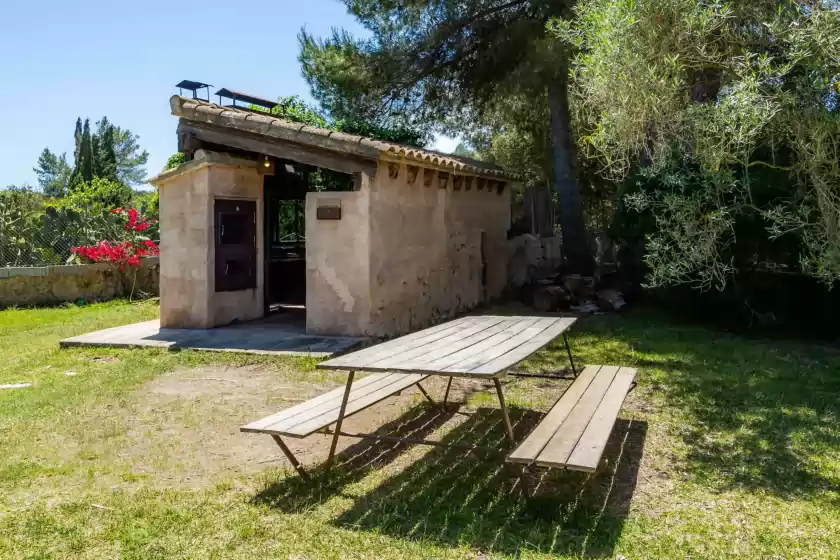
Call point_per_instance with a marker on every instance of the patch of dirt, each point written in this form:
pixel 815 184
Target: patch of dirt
pixel 185 426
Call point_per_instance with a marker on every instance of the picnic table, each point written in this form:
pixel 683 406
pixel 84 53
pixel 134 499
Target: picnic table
pixel 475 346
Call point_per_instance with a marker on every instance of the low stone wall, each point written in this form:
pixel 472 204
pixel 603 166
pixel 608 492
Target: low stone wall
pixel 49 285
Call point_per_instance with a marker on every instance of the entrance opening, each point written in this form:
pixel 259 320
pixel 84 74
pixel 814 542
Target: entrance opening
pixel 285 231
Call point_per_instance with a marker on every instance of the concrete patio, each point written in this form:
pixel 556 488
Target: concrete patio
pixel 283 334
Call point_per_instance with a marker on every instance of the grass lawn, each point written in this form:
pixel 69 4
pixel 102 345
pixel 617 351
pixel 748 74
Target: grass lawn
pixel 728 448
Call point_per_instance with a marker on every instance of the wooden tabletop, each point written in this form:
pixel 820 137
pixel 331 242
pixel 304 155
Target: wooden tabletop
pixel 473 346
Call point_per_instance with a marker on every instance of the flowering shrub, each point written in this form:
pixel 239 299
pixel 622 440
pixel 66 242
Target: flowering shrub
pixel 126 251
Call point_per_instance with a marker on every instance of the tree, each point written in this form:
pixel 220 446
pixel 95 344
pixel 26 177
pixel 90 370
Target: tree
pixel 105 150
pixel 99 194
pixel 131 160
pixel 85 165
pixel 53 173
pixel 443 61
pixel 726 119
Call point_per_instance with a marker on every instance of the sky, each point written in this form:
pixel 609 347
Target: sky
pixel 61 60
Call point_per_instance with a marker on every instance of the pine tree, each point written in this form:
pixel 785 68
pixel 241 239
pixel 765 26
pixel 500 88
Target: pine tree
pixel 105 160
pixel 53 173
pixel 441 60
pixel 77 152
pixel 86 156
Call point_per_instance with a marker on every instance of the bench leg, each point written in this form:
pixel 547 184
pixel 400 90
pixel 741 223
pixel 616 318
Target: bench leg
pixel 508 426
pixel 290 456
pixel 569 352
pixel 340 418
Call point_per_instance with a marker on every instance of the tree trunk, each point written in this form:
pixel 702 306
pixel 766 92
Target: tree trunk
pixel 575 241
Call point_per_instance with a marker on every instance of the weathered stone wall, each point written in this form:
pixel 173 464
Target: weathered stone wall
pixel 187 278
pixel 51 285
pixel 337 264
pixel 426 236
pixel 406 252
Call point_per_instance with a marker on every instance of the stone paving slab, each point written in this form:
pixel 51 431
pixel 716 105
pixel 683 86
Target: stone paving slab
pixel 257 337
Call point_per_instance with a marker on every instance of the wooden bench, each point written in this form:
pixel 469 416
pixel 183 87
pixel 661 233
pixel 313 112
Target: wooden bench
pixel 574 433
pixel 317 414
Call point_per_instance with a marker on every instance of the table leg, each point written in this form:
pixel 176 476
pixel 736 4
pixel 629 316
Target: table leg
pixel 290 456
pixel 446 394
pixel 569 352
pixel 340 418
pixel 508 426
pixel 425 394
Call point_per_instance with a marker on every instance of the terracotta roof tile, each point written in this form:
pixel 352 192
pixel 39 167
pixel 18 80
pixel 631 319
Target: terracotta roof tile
pixel 241 119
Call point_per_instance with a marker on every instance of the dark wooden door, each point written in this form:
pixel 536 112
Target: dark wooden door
pixel 235 233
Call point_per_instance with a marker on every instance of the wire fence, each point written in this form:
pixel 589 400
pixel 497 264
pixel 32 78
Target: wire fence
pixel 47 236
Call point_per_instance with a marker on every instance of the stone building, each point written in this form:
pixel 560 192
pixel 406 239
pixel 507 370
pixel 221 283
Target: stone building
pixel 371 238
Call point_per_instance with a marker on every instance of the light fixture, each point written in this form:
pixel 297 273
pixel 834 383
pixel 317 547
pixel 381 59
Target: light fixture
pixel 266 165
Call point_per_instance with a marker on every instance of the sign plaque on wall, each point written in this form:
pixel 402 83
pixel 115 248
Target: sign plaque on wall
pixel 328 209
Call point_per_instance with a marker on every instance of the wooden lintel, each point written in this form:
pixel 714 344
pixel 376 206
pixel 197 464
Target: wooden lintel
pixel 443 179
pixel 412 173
pixel 308 155
pixel 428 176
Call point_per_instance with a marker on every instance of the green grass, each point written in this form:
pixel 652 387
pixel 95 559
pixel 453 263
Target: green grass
pixel 728 448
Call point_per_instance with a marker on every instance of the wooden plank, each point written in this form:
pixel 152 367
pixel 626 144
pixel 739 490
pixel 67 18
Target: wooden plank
pixel 523 325
pixel 449 345
pixel 401 344
pixel 467 361
pixel 590 448
pixel 273 146
pixel 378 349
pixel 529 449
pixel 523 351
pixel 304 415
pixel 261 424
pixel 354 406
pixel 562 443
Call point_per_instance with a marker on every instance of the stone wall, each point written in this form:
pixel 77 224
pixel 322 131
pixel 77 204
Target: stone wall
pixel 426 236
pixel 413 246
pixel 51 285
pixel 337 264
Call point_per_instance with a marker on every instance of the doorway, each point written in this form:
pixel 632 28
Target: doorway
pixel 285 232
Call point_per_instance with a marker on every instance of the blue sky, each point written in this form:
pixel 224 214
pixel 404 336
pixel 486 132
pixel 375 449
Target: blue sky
pixel 60 60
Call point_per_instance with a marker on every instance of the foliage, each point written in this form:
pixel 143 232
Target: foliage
pixel 106 156
pixel 36 230
pixel 133 243
pixel 84 168
pixel 131 160
pixel 17 226
pixel 53 173
pixel 295 109
pixel 109 152
pixel 174 161
pixel 457 66
pixel 100 193
pixel 727 115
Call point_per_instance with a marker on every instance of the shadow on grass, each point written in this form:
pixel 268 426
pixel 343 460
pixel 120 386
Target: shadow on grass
pixel 293 494
pixel 758 414
pixel 453 497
